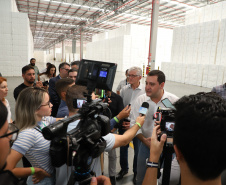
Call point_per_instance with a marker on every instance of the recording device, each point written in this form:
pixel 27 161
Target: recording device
pixel 144 108
pixel 95 74
pixel 167 103
pixel 127 119
pixel 167 120
pixel 77 103
pixel 80 145
pixel 46 83
pixel 166 116
pixel 103 95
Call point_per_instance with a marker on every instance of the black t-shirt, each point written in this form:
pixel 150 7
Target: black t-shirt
pixel 18 89
pixel 116 105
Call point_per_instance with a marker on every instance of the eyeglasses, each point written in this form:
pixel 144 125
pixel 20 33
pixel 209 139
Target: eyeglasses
pixel 66 69
pixel 12 130
pixel 132 76
pixel 48 103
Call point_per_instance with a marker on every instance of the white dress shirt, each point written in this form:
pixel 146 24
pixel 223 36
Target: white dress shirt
pixel 129 95
pixel 148 125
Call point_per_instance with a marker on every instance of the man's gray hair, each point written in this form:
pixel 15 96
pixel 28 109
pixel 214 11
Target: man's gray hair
pixel 137 69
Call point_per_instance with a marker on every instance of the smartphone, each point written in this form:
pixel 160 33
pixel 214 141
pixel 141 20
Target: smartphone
pixel 46 83
pixel 167 103
pixel 129 106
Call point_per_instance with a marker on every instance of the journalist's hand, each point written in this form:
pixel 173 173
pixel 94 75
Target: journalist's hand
pixel 156 146
pixel 140 119
pixel 124 113
pixel 39 84
pixel 39 175
pixel 157 123
pixel 100 180
pixel 147 142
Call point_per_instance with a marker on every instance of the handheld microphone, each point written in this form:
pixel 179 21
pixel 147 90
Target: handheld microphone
pixel 144 108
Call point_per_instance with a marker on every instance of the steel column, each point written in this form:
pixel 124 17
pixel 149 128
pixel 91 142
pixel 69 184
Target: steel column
pixel 73 46
pixel 63 51
pixel 81 44
pixel 153 33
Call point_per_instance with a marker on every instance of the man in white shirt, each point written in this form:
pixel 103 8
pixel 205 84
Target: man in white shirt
pixel 201 160
pixel 155 92
pixel 123 83
pixel 129 93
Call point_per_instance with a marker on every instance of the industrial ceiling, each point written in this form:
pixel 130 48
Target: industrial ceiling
pixel 52 21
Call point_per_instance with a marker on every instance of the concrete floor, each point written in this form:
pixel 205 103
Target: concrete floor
pixel 173 87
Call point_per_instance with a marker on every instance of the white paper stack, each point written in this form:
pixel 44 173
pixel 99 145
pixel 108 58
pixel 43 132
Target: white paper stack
pixel 220 75
pixel 205 75
pixel 212 76
pixel 165 69
pixel 223 12
pixel 208 10
pixel 224 76
pixel 16 42
pixel 199 75
pixel 216 11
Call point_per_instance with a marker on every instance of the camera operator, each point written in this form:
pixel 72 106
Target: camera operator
pixel 112 140
pixel 199 138
pixel 155 92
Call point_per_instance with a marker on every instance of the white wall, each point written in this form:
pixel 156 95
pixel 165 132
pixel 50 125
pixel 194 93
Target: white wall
pixel 128 46
pixel 40 57
pixel 16 42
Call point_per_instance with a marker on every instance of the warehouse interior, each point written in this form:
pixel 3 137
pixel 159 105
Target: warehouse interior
pixel 186 40
pixel 189 45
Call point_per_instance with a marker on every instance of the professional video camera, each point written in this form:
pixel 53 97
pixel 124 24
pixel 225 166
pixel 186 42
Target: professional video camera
pixel 81 145
pixel 166 116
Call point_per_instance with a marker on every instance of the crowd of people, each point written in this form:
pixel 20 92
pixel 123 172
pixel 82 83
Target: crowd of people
pixel 44 98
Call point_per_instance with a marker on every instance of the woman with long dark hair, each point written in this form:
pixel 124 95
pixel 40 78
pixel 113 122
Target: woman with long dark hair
pixel 50 73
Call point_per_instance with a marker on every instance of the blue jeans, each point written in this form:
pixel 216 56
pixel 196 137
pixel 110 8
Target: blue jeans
pixel 143 154
pixel 46 181
pixel 124 154
pixel 136 144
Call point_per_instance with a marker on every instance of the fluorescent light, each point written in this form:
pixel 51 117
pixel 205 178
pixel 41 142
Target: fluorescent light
pixel 76 5
pixel 74 18
pixel 178 3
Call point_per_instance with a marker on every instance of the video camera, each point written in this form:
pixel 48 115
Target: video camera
pixel 81 145
pixel 166 116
